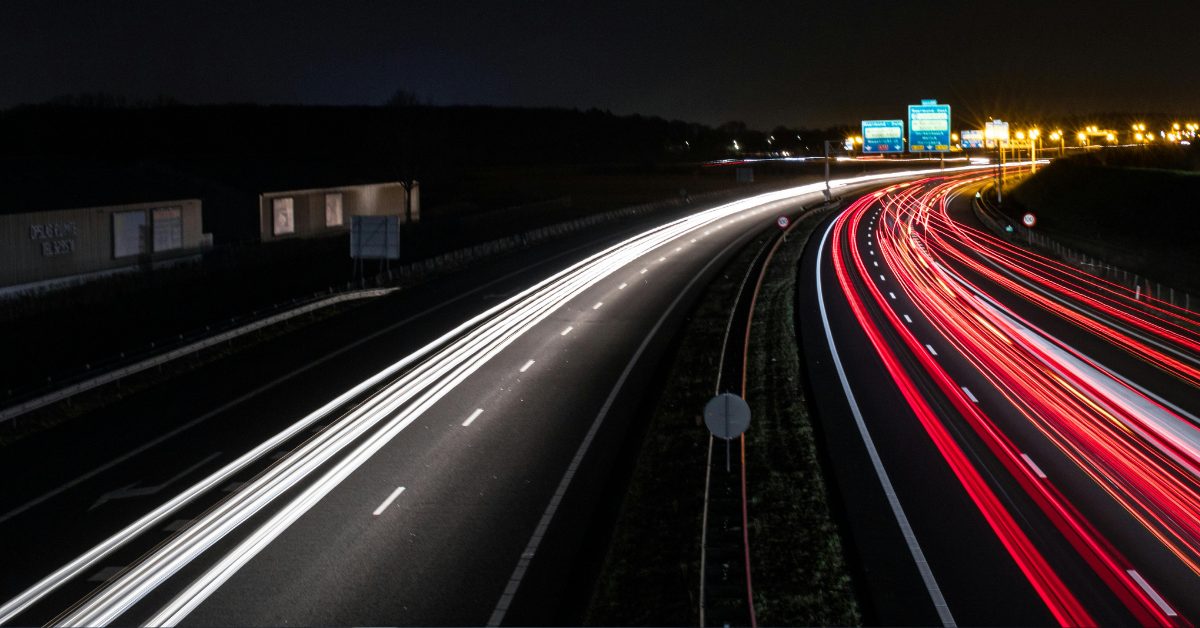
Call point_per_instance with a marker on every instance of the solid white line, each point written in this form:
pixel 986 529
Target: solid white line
pixel 918 556
pixel 969 395
pixel 597 305
pixel 388 502
pixel 535 541
pixel 931 349
pixel 1032 465
pixel 527 365
pixel 622 286
pixel 567 330
pixel 269 385
pixel 910 538
pixel 1162 604
pixel 474 415
pixel 907 319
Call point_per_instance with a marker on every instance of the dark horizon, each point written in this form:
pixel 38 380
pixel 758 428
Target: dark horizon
pixel 768 65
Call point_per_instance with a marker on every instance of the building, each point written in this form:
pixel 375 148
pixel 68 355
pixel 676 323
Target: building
pixel 327 211
pixel 54 247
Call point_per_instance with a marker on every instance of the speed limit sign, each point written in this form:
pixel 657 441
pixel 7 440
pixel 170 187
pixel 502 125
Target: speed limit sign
pixel 783 222
pixel 1028 219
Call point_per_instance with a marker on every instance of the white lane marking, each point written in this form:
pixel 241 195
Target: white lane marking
pixel 1032 465
pixel 932 351
pixel 567 330
pixel 177 525
pixel 518 574
pixel 388 502
pixel 876 263
pixel 891 294
pixel 622 286
pixel 644 270
pixel 693 240
pixel 871 252
pixel 474 415
pixel 104 574
pixel 168 559
pixel 265 387
pixel 678 249
pixel 910 538
pixel 882 278
pixel 597 305
pixel 1158 599
pixel 527 365
pixel 907 319
pixel 969 394
pixel 662 259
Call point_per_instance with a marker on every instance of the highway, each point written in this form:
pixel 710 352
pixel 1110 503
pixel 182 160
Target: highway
pixel 428 459
pixel 1015 441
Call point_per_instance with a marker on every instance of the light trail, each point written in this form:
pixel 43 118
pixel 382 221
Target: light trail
pixel 1142 452
pixel 402 393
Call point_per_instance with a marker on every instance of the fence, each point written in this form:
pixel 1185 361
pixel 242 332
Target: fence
pixel 1000 224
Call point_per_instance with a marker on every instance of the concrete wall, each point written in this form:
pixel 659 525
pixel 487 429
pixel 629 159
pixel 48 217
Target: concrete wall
pixel 41 246
pixel 308 209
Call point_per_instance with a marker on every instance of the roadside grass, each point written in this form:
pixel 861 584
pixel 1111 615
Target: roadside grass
pixel 799 568
pixel 650 575
pixel 1141 219
pixel 651 572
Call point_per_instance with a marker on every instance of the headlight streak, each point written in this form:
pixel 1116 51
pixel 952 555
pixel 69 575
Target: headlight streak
pixel 1124 467
pixel 468 346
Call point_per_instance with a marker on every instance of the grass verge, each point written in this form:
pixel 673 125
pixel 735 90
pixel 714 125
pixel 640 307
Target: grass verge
pixel 651 571
pixel 800 573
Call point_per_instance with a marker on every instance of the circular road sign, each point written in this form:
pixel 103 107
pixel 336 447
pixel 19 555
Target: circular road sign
pixel 1028 219
pixel 727 416
pixel 783 222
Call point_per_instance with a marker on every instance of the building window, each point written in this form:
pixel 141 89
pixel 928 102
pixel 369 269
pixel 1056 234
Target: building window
pixel 168 228
pixel 283 219
pixel 333 210
pixel 129 234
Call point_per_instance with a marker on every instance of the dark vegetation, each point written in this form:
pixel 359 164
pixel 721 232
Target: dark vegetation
pixel 485 173
pixel 1136 208
pixel 651 572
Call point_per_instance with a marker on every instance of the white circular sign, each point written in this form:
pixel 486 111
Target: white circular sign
pixel 783 222
pixel 1028 220
pixel 727 416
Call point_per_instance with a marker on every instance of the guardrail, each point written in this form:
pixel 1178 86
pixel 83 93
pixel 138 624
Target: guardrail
pixel 1012 230
pixel 12 412
pixel 411 272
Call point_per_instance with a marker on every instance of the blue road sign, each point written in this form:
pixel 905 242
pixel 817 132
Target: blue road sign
pixel 971 138
pixel 929 128
pixel 883 136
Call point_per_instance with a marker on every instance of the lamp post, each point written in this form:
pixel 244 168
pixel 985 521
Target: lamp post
pixel 1034 138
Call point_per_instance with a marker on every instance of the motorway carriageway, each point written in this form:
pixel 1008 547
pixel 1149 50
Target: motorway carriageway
pixel 427 493
pixel 1031 429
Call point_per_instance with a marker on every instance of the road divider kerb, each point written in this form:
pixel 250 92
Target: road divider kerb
pixel 12 412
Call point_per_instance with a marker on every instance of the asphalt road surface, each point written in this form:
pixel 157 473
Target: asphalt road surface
pixel 429 458
pixel 1015 441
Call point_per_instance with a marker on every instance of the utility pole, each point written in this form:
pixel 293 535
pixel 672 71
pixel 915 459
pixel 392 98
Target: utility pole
pixel 828 190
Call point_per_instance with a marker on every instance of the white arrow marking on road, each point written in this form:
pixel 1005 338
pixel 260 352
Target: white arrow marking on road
pixel 128 490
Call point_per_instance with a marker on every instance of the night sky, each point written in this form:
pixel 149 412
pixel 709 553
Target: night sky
pixel 766 63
